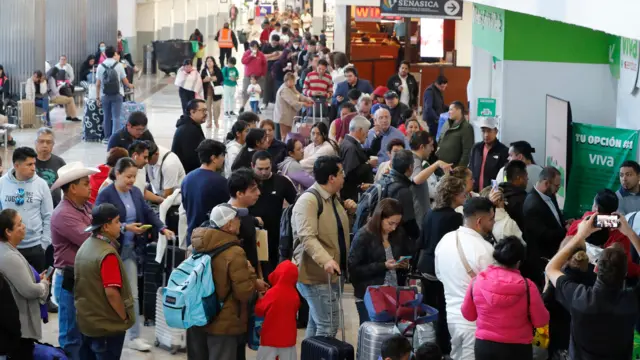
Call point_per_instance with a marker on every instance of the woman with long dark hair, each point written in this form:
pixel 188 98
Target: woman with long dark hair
pixel 211 76
pixel 235 141
pixel 256 140
pixel 291 167
pixel 189 84
pixel 87 70
pixel 375 251
pixel 5 87
pixel 134 212
pixel 100 54
pixel 320 145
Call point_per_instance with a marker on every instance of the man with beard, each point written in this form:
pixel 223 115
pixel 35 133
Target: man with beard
pixel 544 226
pixel 628 195
pixel 274 190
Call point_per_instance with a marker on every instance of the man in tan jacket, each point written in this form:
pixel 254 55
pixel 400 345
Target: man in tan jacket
pixel 321 244
pixel 235 282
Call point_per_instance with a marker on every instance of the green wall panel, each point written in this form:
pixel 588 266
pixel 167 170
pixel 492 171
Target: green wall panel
pixel 532 38
pixel 489 29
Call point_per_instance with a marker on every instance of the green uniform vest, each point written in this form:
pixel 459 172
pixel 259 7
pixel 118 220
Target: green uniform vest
pixel 94 314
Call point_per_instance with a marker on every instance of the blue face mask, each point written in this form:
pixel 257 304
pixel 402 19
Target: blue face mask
pixel 102 48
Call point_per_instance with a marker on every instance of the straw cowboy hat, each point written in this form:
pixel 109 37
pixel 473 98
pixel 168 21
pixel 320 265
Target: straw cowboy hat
pixel 71 172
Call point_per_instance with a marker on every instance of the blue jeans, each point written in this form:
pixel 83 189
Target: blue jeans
pixel 91 78
pixel 43 103
pixel 69 336
pixel 255 105
pixel 112 106
pixel 323 309
pixel 102 348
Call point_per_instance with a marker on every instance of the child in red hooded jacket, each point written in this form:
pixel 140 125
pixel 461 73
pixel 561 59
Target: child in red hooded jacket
pixel 279 307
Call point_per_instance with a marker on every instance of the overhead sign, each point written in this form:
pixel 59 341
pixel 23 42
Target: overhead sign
pixel 440 9
pixel 486 107
pixel 372 14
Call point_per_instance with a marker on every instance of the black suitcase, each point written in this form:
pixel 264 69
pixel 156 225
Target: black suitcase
pixel 328 348
pixel 153 279
pixel 92 122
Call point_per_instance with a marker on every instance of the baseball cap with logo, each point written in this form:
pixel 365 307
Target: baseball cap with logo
pixel 223 213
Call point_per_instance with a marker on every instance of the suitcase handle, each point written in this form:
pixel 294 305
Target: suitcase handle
pixel 341 325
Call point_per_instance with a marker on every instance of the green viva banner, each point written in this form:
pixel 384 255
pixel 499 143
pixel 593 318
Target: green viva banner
pixel 597 153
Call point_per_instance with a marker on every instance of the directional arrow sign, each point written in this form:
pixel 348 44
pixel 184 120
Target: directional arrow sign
pixel 451 8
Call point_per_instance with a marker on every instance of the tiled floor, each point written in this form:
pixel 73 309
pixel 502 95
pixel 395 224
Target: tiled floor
pixel 163 109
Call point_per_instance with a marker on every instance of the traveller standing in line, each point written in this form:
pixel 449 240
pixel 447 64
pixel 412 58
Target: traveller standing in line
pixel 227 41
pixel 189 134
pixel 27 193
pixel 322 245
pixel 103 291
pixel 29 288
pixel 230 75
pixel 522 151
pixel 68 224
pixel 456 137
pixel 48 164
pixel 211 78
pixel 433 103
pixel 109 80
pixel 488 156
pixel 255 65
pixel 189 84
pixel 235 140
pixel 254 91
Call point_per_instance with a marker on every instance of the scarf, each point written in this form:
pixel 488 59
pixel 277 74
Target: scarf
pixel 190 81
pixel 44 313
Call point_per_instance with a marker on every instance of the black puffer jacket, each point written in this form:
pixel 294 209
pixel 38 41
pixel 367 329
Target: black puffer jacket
pixel 367 257
pixel 9 319
pixel 514 197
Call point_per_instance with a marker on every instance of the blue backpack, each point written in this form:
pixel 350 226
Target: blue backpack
pixel 43 351
pixel 190 299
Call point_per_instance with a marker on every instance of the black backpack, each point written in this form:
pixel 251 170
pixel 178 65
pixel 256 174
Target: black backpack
pixel 110 80
pixel 370 199
pixel 286 232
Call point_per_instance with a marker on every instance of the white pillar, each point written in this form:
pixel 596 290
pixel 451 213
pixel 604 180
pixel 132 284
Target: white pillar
pixel 342 20
pixel 318 16
pixel 179 19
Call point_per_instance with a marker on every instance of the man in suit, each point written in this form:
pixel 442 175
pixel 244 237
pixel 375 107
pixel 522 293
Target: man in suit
pixel 544 226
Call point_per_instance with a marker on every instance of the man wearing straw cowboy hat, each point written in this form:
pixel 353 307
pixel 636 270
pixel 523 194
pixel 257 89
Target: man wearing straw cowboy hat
pixel 68 223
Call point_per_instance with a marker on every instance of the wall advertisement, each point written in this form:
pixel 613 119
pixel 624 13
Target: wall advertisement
pixel 598 152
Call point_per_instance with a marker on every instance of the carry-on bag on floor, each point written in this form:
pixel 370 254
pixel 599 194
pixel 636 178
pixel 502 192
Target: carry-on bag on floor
pixel 317 112
pixel 153 277
pixel 92 129
pixel 129 107
pixel 329 348
pixel 42 351
pixel 168 338
pixel 370 338
pixel 27 113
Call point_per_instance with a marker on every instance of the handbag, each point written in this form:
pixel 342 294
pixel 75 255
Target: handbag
pixel 242 37
pixel 217 90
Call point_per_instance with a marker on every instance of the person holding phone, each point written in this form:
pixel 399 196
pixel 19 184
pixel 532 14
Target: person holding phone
pixel 606 204
pixel 134 212
pixel 28 291
pixel 380 253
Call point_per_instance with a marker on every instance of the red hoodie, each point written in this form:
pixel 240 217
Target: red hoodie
pixel 96 181
pixel 279 307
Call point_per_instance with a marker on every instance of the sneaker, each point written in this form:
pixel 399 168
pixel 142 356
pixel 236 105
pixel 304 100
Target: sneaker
pixel 263 106
pixel 105 141
pixel 139 345
pixel 75 119
pixel 69 118
pixel 232 113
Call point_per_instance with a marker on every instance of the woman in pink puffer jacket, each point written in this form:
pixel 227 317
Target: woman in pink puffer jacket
pixel 497 300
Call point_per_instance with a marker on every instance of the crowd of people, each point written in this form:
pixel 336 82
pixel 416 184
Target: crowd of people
pixel 479 223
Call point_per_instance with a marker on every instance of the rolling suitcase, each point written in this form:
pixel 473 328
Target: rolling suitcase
pixel 129 107
pixel 370 338
pixel 168 338
pixel 92 122
pixel 153 278
pixel 27 113
pixel 328 348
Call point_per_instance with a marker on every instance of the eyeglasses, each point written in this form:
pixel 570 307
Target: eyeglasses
pixel 20 195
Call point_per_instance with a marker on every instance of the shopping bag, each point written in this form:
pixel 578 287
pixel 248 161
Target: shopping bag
pixel 262 243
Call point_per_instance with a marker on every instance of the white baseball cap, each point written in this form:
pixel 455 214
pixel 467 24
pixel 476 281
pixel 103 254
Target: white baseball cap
pixel 488 122
pixel 223 213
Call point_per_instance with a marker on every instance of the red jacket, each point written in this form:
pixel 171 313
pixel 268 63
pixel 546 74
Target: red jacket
pixel 279 307
pixel 264 35
pixel 254 65
pixel 615 236
pixel 96 181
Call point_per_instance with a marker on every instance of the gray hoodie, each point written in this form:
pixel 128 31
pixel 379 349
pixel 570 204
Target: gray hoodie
pixel 36 209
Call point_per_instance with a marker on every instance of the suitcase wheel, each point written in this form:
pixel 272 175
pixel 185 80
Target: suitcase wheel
pixel 174 350
pixel 156 343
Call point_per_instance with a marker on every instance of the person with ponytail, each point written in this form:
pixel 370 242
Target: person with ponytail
pixel 235 141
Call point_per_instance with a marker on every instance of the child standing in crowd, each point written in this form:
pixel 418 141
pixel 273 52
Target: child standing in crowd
pixel 279 307
pixel 396 347
pixel 230 76
pixel 254 91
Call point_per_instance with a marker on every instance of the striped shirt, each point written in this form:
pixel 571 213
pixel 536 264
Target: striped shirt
pixel 313 83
